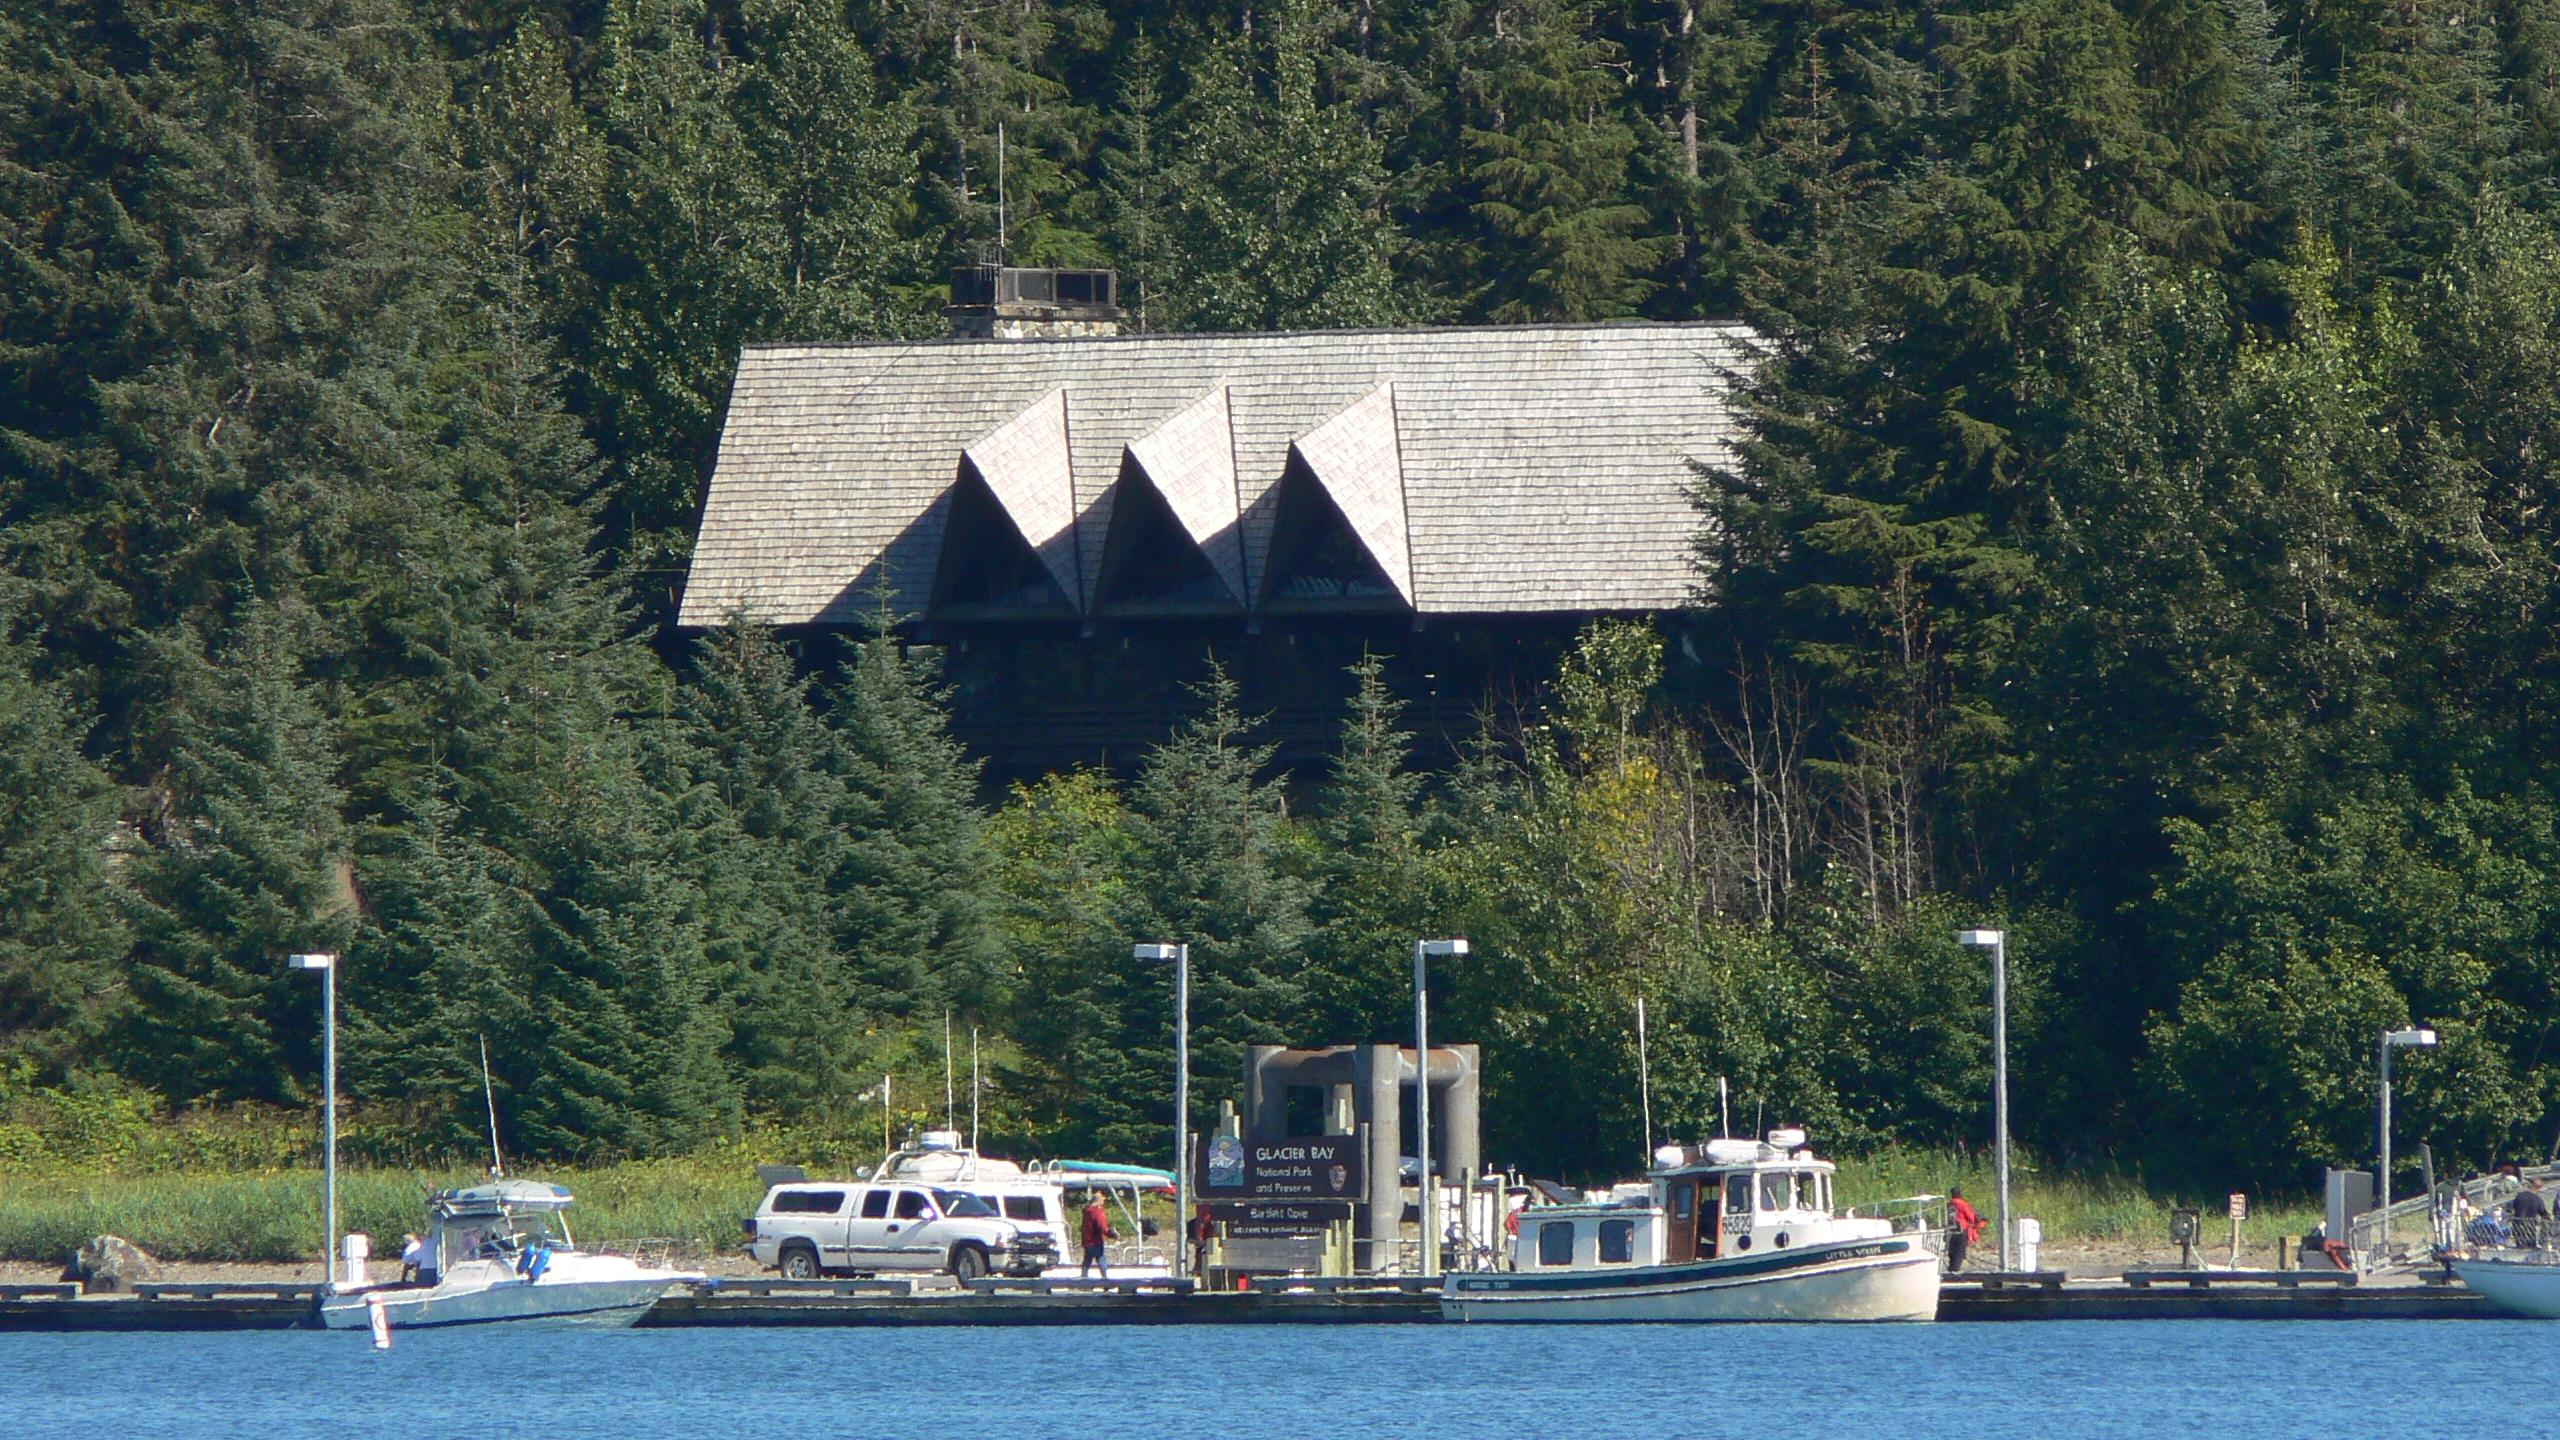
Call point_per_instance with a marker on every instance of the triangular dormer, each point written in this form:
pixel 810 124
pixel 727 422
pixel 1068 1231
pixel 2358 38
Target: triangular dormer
pixel 1338 523
pixel 1150 562
pixel 1015 496
pixel 987 567
pixel 1175 541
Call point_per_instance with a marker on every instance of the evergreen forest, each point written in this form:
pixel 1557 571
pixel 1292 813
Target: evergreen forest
pixel 2143 540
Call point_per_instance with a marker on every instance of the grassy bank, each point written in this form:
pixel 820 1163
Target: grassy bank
pixel 2100 1207
pixel 272 1214
pixel 275 1215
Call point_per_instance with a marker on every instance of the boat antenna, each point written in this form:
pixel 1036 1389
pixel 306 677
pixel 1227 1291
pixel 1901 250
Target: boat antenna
pixel 1760 1118
pixel 885 1145
pixel 973 1087
pixel 1644 1080
pixel 1724 1108
pixel 497 1161
pixel 1004 252
pixel 950 1102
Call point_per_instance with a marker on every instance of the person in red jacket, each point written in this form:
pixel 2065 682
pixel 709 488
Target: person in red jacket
pixel 1096 1235
pixel 1966 1232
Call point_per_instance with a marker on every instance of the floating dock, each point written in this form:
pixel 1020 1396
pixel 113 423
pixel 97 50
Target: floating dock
pixel 2154 1295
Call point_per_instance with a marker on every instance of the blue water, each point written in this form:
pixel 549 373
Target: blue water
pixel 2053 1381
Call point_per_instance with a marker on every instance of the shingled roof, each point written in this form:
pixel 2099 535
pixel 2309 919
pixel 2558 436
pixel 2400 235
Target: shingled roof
pixel 1489 470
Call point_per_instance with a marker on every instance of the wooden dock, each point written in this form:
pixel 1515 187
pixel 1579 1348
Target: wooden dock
pixel 2178 1295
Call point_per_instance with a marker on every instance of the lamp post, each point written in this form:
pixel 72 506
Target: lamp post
pixel 1180 955
pixel 1424 951
pixel 327 965
pixel 1997 942
pixel 2419 1038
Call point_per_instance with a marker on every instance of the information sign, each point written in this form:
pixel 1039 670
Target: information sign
pixel 1300 1167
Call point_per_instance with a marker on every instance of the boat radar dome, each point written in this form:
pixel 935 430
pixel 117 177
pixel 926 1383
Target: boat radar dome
pixel 1789 1137
pixel 1666 1156
pixel 938 1140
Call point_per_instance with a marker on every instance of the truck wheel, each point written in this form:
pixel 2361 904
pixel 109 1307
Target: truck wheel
pixel 800 1262
pixel 968 1262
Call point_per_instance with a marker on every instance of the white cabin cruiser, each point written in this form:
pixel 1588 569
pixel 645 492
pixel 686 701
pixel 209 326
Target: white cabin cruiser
pixel 1732 1230
pixel 503 1251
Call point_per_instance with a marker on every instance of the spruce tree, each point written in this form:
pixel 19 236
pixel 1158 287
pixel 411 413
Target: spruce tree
pixel 62 943
pixel 1212 865
pixel 1545 151
pixel 909 895
pixel 246 863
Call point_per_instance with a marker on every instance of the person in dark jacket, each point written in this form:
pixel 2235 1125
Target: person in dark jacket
pixel 2529 1215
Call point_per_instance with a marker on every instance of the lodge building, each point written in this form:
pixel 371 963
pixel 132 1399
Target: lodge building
pixel 1081 518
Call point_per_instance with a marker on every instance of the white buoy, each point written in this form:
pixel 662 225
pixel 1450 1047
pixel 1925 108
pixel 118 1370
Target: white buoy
pixel 381 1322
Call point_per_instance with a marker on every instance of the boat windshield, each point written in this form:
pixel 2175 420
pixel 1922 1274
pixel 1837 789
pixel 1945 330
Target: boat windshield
pixel 963 1204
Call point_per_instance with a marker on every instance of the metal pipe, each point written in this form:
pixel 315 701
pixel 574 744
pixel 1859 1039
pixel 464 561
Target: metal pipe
pixel 329 1112
pixel 1182 1105
pixel 2000 1081
pixel 1422 1111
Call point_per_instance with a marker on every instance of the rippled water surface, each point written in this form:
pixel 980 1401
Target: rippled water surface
pixel 2051 1381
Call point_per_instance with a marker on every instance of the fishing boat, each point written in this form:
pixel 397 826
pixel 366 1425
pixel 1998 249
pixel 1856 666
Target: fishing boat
pixel 1731 1230
pixel 503 1251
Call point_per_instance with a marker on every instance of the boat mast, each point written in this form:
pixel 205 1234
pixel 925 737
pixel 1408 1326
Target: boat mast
pixel 1644 1081
pixel 497 1161
pixel 950 1102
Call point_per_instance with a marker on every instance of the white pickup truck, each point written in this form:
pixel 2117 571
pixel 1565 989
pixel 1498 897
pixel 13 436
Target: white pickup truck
pixel 808 1229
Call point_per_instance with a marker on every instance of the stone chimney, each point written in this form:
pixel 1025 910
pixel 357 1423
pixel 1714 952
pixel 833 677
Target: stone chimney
pixel 1008 302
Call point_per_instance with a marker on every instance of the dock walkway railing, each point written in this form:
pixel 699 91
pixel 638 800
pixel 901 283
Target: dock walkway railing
pixel 2424 1225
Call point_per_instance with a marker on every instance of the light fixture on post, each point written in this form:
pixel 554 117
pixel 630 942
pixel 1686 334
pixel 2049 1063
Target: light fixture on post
pixel 1180 955
pixel 327 965
pixel 1423 952
pixel 2417 1038
pixel 1997 942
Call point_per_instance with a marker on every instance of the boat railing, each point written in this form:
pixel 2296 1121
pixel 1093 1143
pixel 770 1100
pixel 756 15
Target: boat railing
pixel 2454 1217
pixel 1916 1214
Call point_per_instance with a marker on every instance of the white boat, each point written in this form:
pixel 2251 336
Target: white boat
pixel 1733 1230
pixel 2524 1281
pixel 503 1251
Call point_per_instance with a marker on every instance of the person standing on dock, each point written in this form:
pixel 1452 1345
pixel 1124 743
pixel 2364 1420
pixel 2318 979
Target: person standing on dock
pixel 1965 1232
pixel 1097 1236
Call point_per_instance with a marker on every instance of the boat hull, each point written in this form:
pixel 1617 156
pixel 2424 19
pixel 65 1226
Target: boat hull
pixel 1864 1280
pixel 2528 1287
pixel 604 1303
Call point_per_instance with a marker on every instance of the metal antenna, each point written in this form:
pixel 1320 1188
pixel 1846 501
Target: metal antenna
pixel 497 1161
pixel 1004 250
pixel 973 1087
pixel 1644 1080
pixel 1724 1108
pixel 950 1100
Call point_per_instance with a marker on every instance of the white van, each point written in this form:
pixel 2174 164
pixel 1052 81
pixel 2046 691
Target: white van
pixel 809 1229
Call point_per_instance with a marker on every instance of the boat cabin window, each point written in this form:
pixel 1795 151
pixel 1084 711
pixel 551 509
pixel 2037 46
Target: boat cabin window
pixel 912 1205
pixel 960 1202
pixel 1774 1191
pixel 1555 1243
pixel 1737 1194
pixel 1617 1242
pixel 1023 1207
pixel 1813 1191
pixel 1683 1195
pixel 808 1202
pixel 875 1205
